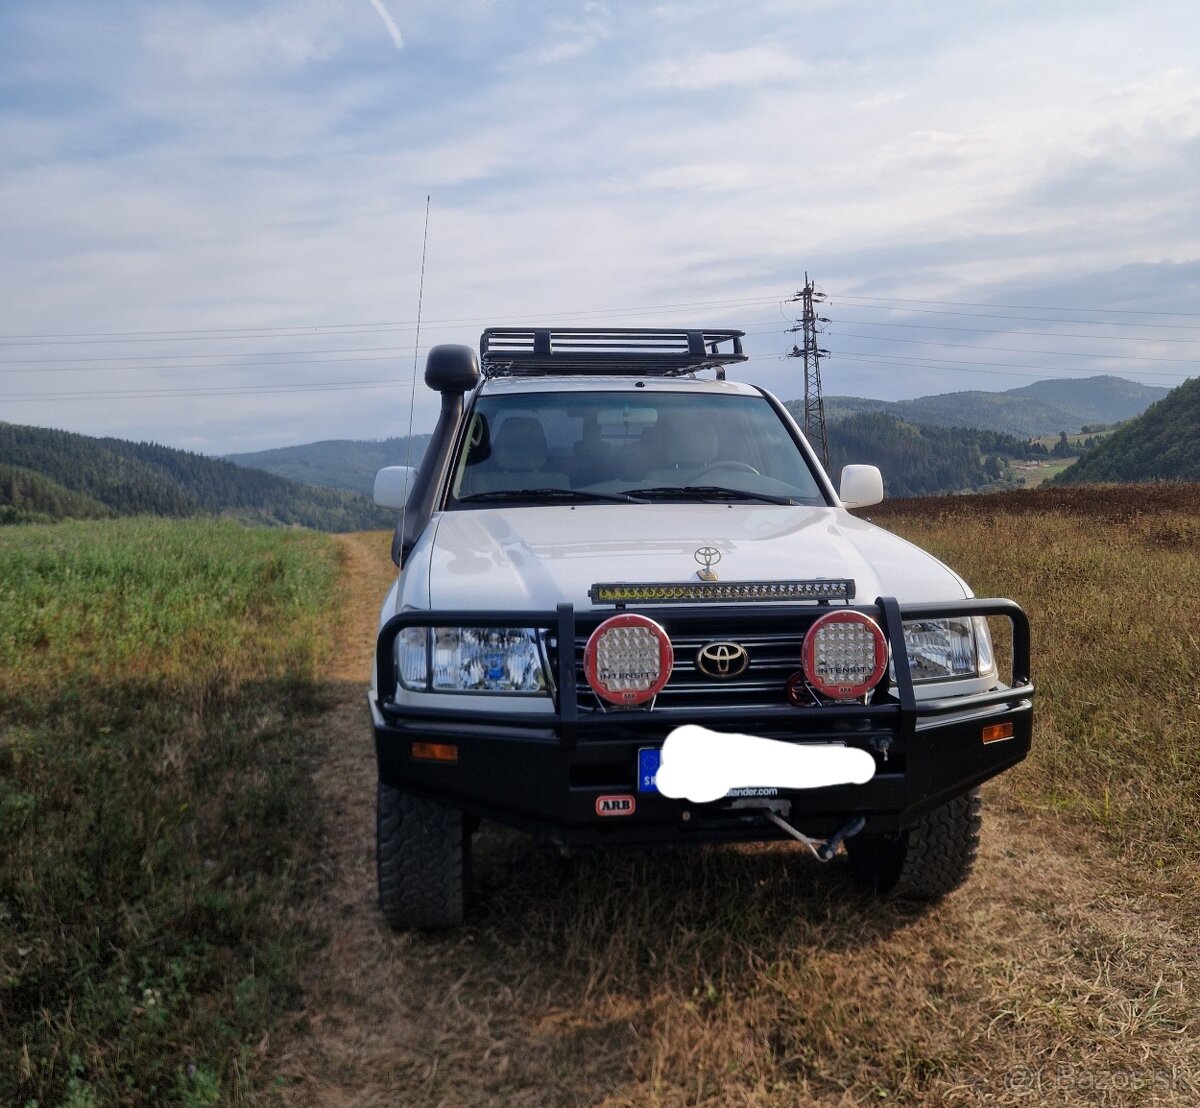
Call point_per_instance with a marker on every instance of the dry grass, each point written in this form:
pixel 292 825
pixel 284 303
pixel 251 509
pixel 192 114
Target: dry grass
pixel 752 976
pixel 1110 577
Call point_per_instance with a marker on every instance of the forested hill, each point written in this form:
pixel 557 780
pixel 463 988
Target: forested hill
pixel 337 463
pixel 918 461
pixel 48 475
pixel 1162 444
pixel 1042 408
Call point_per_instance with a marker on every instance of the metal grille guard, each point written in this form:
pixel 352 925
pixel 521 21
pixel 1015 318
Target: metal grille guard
pixel 893 706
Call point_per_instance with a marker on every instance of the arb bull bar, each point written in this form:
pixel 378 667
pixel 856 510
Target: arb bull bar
pixel 546 771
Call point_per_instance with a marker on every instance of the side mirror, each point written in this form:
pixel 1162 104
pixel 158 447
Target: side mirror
pixel 393 486
pixel 861 485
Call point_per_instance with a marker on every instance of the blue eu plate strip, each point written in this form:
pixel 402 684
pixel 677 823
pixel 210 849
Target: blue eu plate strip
pixel 649 758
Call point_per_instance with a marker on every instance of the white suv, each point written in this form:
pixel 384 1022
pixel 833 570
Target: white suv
pixel 632 609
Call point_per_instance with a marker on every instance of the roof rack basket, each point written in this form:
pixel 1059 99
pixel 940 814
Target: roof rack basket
pixel 644 351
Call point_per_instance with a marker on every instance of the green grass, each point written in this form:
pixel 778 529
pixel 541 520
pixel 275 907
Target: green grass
pixel 155 803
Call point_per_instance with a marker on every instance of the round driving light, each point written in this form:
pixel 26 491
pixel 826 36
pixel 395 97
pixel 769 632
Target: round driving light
pixel 845 655
pixel 628 659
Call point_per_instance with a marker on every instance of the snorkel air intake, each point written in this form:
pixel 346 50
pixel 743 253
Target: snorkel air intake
pixel 453 371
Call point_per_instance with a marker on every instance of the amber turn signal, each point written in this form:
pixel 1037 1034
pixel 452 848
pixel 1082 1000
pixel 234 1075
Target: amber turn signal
pixel 435 752
pixel 997 731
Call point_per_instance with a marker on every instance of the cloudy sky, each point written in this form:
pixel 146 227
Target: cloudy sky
pixel 212 213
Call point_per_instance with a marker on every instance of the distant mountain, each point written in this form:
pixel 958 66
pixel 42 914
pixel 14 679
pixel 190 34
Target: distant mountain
pixel 1162 444
pixel 48 475
pixel 915 457
pixel 919 461
pixel 1043 408
pixel 336 463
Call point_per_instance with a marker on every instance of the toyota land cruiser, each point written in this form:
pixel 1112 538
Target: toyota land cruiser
pixel 619 570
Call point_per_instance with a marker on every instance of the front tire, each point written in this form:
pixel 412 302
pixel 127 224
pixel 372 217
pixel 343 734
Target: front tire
pixel 926 861
pixel 422 856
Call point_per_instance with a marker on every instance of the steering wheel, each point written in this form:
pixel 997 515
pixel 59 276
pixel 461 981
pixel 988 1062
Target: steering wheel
pixel 741 467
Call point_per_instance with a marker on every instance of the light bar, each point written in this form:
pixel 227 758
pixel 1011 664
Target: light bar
pixel 706 592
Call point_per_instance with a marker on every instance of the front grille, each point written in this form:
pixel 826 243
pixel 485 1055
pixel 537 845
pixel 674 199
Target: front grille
pixel 774 657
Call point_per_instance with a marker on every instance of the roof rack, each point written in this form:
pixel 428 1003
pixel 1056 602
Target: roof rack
pixel 533 351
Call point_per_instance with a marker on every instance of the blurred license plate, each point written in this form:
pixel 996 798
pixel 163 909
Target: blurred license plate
pixel 649 758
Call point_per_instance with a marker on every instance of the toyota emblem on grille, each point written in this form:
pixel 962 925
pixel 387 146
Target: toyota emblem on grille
pixel 722 660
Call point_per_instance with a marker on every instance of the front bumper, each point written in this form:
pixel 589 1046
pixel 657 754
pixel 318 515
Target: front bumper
pixel 572 776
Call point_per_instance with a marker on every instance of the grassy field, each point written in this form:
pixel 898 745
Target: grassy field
pixel 1063 973
pixel 1036 475
pixel 1110 578
pixel 187 908
pixel 155 804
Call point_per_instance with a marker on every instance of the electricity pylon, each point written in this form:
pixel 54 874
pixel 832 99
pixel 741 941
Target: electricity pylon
pixel 813 423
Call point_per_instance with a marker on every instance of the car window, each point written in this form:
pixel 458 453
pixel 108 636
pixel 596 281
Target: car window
pixel 606 443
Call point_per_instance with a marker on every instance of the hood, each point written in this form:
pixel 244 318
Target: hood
pixel 538 557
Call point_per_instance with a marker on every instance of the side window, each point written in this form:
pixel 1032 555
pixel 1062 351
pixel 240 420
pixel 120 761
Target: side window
pixel 476 450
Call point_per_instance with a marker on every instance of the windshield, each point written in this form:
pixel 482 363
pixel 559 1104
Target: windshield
pixel 571 447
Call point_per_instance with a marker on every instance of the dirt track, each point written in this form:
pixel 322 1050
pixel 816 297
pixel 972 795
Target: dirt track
pixel 750 977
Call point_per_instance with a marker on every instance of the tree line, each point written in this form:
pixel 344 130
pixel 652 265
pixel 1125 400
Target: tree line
pixel 919 460
pixel 1162 444
pixel 47 474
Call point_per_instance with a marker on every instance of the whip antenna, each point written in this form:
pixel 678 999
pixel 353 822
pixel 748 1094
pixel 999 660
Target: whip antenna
pixel 412 400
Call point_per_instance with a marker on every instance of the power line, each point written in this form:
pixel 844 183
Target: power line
pixel 216 360
pixel 1019 350
pixel 1032 318
pixel 213 365
pixel 318 330
pixel 201 391
pixel 299 329
pixel 1017 331
pixel 949 365
pixel 331 330
pixel 175 357
pixel 950 362
pixel 1016 307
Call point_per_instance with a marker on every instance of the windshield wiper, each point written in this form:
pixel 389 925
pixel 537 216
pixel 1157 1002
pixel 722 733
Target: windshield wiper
pixel 577 495
pixel 708 492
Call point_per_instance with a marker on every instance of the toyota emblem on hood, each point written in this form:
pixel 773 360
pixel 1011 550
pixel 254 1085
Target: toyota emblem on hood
pixel 707 556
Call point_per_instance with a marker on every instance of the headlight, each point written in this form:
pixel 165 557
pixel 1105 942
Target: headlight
pixel 470 659
pixel 944 648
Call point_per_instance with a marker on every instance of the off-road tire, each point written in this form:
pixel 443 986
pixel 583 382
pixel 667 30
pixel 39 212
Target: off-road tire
pixel 925 861
pixel 422 860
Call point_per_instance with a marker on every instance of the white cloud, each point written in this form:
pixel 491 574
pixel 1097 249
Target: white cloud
pixel 567 38
pixel 283 37
pixel 562 51
pixel 713 69
pixel 699 177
